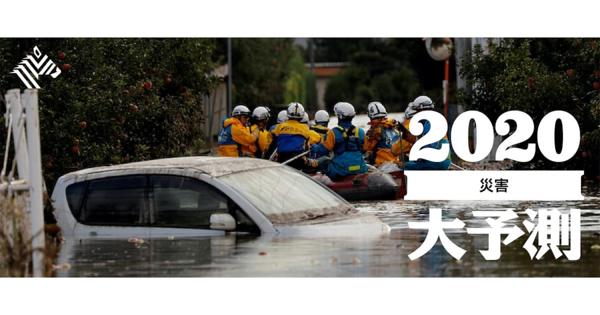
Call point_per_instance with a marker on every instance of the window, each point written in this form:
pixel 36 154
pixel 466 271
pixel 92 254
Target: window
pixel 75 193
pixel 285 195
pixel 115 201
pixel 184 202
pixel 152 200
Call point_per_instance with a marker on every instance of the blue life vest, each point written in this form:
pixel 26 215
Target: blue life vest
pixel 388 137
pixel 348 158
pixel 288 143
pixel 421 164
pixel 226 138
pixel 291 137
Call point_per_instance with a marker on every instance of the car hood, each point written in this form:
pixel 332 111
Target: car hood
pixel 357 225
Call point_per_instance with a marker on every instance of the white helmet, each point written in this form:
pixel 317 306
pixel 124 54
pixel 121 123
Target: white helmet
pixel 240 110
pixel 295 111
pixel 282 116
pixel 344 110
pixel 335 108
pixel 410 110
pixel 304 119
pixel 261 113
pixel 423 103
pixel 321 117
pixel 376 110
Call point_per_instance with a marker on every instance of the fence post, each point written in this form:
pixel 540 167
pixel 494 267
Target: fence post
pixel 36 203
pixel 13 99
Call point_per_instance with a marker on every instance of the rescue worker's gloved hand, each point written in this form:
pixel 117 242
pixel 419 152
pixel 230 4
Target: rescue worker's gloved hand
pixel 312 163
pixel 323 160
pixel 402 128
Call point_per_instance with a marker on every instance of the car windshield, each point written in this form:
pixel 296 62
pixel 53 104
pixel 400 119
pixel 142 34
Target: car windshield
pixel 285 195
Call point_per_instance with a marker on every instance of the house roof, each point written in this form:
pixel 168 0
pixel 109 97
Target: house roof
pixel 326 69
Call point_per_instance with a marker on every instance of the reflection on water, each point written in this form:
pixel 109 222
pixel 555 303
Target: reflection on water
pixel 356 257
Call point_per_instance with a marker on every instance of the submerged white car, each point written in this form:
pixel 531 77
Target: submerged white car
pixel 202 196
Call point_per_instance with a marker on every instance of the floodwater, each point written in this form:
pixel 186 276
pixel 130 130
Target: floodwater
pixel 360 256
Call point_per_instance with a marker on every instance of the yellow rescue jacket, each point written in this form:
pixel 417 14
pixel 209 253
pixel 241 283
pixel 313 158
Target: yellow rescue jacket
pixel 292 136
pixel 373 145
pixel 314 137
pixel 264 140
pixel 235 139
pixel 321 130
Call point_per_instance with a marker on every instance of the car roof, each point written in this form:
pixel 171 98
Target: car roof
pixel 211 165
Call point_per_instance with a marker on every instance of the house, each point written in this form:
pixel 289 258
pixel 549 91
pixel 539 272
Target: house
pixel 214 105
pixel 323 72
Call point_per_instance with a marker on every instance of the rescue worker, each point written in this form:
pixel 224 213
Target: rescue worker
pixel 235 140
pixel 320 128
pixel 423 103
pixel 346 141
pixel 408 139
pixel 314 137
pixel 321 123
pixel 260 118
pixel 381 142
pixel 281 117
pixel 291 137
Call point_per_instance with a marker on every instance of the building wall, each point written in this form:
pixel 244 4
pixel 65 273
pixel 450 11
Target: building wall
pixel 321 85
pixel 215 110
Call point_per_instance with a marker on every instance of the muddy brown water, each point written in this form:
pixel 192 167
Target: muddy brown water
pixel 244 256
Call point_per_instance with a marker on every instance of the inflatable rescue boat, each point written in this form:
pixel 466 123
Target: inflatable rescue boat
pixel 373 185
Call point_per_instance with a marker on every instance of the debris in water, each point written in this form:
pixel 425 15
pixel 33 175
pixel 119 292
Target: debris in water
pixel 355 261
pixel 263 253
pixel 136 240
pixel 170 238
pixel 65 266
pixel 596 247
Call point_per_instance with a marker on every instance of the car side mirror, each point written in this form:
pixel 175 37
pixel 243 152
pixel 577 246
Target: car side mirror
pixel 222 221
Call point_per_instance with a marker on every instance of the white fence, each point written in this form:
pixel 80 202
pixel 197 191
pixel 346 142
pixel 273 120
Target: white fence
pixel 22 122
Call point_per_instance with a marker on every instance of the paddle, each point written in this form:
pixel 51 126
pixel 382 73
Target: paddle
pixel 296 157
pixel 272 157
pixel 460 168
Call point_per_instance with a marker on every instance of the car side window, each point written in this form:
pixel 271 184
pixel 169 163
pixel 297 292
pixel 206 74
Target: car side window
pixel 116 201
pixel 184 202
pixel 75 193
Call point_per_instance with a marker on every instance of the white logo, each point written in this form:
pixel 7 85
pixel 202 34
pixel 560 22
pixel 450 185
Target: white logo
pixel 32 67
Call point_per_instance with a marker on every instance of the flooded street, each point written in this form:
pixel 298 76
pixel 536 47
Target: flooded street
pixel 243 256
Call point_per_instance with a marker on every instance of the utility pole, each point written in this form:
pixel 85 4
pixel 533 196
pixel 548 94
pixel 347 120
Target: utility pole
pixel 229 76
pixel 311 53
pixel 440 49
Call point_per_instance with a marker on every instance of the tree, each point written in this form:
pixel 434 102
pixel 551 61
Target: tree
pixel 537 76
pixel 382 74
pixel 295 86
pixel 117 100
pixel 260 70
